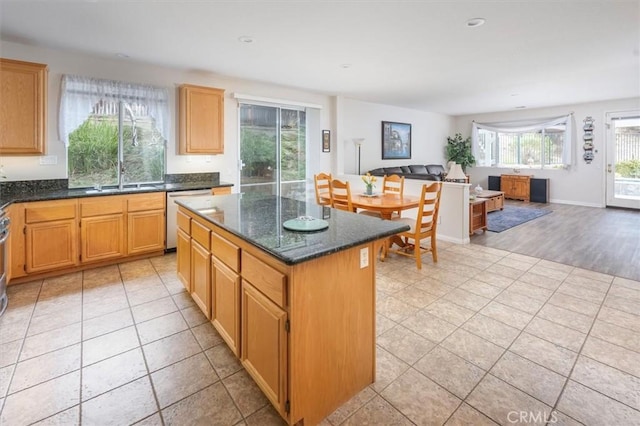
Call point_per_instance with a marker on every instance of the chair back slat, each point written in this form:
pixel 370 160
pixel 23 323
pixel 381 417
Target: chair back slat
pixel 322 183
pixel 393 184
pixel 427 218
pixel 341 195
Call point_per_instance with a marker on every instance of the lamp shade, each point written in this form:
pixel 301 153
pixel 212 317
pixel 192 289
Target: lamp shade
pixel 456 174
pixel 358 141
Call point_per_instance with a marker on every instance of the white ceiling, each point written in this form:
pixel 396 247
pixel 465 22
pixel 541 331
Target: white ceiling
pixel 415 54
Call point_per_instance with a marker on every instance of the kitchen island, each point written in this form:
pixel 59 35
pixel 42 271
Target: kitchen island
pixel 297 308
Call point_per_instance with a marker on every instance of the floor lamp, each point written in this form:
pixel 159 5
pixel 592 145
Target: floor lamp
pixel 358 142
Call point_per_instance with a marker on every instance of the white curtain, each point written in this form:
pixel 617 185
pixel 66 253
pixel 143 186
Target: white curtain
pixel 80 94
pixel 528 126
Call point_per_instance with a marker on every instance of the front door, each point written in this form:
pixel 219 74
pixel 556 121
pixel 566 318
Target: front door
pixel 623 159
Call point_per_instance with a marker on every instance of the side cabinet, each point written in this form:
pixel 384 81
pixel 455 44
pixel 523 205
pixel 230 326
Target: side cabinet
pixel 516 186
pixel 51 235
pixel 226 304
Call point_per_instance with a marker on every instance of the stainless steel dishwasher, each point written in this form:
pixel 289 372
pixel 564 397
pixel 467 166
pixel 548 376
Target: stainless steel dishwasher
pixel 172 213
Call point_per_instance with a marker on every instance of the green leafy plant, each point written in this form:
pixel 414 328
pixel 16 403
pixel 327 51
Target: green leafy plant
pixel 628 169
pixel 459 151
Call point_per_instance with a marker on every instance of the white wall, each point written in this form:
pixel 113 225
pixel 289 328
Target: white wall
pixel 65 62
pixel 582 184
pixel 359 119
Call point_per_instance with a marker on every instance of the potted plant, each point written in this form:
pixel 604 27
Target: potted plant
pixel 459 151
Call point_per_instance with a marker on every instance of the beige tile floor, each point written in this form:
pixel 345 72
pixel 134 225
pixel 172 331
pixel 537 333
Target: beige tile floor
pixel 483 337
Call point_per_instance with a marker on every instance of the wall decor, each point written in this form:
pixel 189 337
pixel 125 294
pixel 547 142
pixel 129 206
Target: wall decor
pixel 588 139
pixel 326 141
pixel 396 140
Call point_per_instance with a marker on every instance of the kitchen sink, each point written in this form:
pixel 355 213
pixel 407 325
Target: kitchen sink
pixel 138 188
pixel 101 191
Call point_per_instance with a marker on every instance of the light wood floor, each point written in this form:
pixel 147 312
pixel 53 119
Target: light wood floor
pixel 602 240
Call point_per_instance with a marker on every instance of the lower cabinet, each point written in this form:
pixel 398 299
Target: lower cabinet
pixel 183 259
pixel 264 345
pixel 102 237
pixel 145 231
pixel 51 245
pixel 226 304
pixel 201 277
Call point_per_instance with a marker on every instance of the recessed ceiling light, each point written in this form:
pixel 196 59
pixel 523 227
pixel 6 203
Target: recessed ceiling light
pixel 345 66
pixel 475 22
pixel 245 39
pixel 521 107
pixel 122 55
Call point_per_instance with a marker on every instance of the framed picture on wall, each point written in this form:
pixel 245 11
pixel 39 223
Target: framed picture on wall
pixel 326 140
pixel 396 140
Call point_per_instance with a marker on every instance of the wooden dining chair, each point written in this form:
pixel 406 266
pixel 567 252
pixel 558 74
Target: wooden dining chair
pixel 341 195
pixel 392 184
pixel 423 226
pixel 322 183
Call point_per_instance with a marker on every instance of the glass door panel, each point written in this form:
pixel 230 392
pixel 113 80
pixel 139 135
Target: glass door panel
pixel 623 160
pixel 273 151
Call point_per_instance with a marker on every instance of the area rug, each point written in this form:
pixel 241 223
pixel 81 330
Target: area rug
pixel 501 220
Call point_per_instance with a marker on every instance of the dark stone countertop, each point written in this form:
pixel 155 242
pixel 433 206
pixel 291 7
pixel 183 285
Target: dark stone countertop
pixel 61 194
pixel 258 220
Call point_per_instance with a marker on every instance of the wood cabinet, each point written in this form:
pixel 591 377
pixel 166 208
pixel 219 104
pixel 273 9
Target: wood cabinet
pixel 23 110
pixel 222 190
pixel 477 215
pixel 264 345
pixel 51 235
pixel 102 230
pixel 201 120
pixel 201 267
pixel 226 304
pixel 145 223
pixel 516 187
pixel 183 249
pixel 306 339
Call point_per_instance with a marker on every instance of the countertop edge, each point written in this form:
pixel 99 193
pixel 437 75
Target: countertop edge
pixel 81 193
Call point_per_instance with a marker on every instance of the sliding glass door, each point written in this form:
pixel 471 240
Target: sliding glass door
pixel 273 150
pixel 623 159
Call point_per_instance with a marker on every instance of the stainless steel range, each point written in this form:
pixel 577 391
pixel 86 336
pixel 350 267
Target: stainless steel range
pixel 4 249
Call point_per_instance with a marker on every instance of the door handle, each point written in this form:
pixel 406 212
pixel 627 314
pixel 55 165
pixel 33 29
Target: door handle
pixel 608 168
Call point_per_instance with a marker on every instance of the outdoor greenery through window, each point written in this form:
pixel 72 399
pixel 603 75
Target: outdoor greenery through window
pixel 535 144
pixel 273 146
pixel 115 131
pixel 542 149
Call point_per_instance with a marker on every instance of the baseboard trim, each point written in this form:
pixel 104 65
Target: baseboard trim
pixel 577 203
pixel 448 239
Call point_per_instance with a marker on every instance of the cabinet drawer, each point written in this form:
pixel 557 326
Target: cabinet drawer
pixel 200 234
pixel 100 206
pixel 184 222
pixel 221 190
pixel 270 282
pixel 48 211
pixel 225 251
pixel 141 202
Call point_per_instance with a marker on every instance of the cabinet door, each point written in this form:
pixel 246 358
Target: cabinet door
pixel 201 120
pixel 102 237
pixel 23 110
pixel 51 245
pixel 521 188
pixel 264 345
pixel 146 231
pixel 226 304
pixel 201 277
pixel 183 260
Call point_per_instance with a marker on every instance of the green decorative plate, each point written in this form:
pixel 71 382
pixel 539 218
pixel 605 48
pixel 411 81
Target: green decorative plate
pixel 305 224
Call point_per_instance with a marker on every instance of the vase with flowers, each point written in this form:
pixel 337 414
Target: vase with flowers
pixel 369 182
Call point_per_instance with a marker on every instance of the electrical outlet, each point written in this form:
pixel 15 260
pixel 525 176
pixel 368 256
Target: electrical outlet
pixel 364 257
pixel 48 160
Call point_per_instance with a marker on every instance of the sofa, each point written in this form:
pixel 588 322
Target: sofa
pixel 416 171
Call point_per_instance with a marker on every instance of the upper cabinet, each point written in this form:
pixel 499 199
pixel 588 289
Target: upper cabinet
pixel 23 111
pixel 201 120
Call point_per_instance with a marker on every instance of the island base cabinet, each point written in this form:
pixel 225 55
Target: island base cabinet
pixel 183 258
pixel 264 345
pixel 226 304
pixel 201 277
